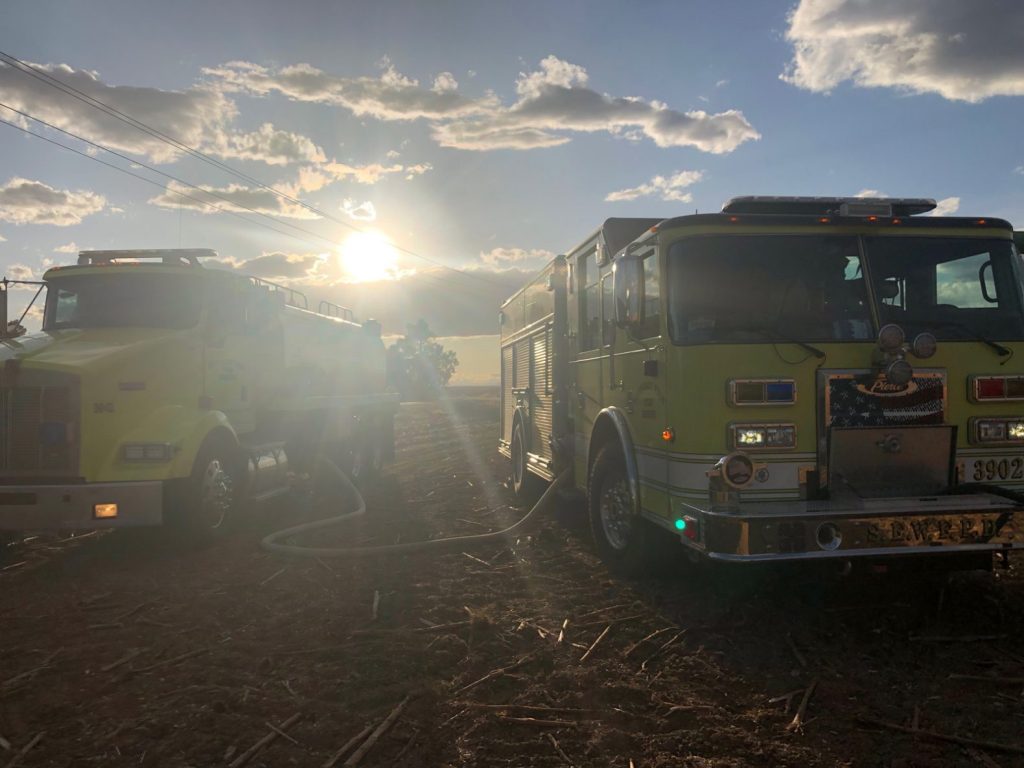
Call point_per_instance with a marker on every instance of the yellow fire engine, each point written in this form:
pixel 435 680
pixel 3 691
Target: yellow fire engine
pixel 160 390
pixel 789 379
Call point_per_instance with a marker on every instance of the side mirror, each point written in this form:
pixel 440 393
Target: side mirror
pixel 984 273
pixel 628 290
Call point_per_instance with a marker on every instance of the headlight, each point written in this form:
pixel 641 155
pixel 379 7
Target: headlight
pixel 752 437
pixel 1005 430
pixel 147 451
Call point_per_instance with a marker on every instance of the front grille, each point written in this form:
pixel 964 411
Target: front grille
pixel 39 425
pixel 868 400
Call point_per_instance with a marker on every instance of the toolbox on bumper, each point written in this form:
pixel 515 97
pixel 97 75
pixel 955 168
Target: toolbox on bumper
pixel 78 506
pixel 901 526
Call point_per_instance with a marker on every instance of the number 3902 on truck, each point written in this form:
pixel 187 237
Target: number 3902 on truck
pixel 789 379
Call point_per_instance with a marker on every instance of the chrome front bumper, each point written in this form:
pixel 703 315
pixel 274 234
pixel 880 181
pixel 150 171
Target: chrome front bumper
pixel 865 528
pixel 70 507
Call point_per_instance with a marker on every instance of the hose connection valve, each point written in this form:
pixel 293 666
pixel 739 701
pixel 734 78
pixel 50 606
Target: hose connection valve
pixel 728 477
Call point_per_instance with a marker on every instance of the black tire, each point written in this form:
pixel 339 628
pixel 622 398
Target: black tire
pixel 623 539
pixel 206 505
pixel 524 483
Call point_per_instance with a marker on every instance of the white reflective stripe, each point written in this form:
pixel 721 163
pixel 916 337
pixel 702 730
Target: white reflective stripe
pixel 692 476
pixel 713 457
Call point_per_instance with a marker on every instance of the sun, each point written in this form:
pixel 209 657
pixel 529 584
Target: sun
pixel 367 257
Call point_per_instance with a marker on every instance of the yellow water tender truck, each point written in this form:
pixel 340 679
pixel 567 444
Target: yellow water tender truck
pixel 162 391
pixel 789 379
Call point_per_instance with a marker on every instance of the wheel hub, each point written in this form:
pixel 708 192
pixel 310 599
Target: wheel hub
pixel 617 518
pixel 216 495
pixel 518 458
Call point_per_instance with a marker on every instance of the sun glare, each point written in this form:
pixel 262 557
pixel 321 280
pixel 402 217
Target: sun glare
pixel 368 256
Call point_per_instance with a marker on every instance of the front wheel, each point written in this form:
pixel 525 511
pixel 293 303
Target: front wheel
pixel 207 503
pixel 622 538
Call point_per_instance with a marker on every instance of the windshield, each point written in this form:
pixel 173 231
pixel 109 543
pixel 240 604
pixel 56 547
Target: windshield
pixel 955 288
pixel 767 288
pixel 777 288
pixel 122 301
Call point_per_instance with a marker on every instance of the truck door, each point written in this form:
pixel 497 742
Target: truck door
pixel 232 352
pixel 585 389
pixel 636 381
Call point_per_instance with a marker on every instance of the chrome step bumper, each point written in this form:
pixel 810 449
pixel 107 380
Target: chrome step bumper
pixel 869 528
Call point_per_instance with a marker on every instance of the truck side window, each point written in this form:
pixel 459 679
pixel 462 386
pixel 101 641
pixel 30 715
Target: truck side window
pixel 65 310
pixel 607 310
pixel 959 283
pixel 590 304
pixel 652 298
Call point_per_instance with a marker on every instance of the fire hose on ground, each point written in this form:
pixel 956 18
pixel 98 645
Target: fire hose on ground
pixel 275 542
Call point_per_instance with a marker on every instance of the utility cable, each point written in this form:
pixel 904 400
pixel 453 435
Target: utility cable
pixel 161 186
pixel 43 76
pixel 329 241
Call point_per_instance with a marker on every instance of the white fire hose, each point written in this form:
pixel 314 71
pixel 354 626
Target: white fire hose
pixel 274 542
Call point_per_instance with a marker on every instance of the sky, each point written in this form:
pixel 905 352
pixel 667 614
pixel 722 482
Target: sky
pixel 422 159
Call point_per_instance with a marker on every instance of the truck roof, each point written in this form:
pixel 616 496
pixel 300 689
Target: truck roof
pixel 183 257
pixel 804 219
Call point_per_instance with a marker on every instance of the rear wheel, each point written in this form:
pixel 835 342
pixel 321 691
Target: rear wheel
pixel 524 484
pixel 622 538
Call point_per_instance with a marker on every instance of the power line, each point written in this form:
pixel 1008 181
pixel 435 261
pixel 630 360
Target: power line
pixel 161 173
pixel 43 76
pixel 156 183
pixel 421 275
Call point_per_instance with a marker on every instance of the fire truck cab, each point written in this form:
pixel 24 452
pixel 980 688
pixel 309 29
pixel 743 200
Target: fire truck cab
pixel 789 379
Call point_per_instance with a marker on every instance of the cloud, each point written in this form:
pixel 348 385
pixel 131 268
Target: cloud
pixel 360 212
pixel 961 51
pixel 412 171
pixel 556 98
pixel 191 116
pixel 1019 169
pixel 67 248
pixel 445 83
pixel 269 145
pixel 870 193
pixel 32 202
pixel 391 96
pixel 670 188
pixel 550 102
pixel 3 239
pixel 315 177
pixel 199 117
pixel 451 304
pixel 20 272
pixel 946 207
pixel 235 197
pixel 276 265
pixel 503 258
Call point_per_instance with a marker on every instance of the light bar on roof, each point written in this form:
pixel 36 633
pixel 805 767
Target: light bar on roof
pixel 829 206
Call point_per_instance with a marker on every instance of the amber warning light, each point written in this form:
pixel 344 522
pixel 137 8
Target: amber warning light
pixel 104 511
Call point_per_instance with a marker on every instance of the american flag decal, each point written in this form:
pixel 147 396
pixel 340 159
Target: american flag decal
pixel 868 400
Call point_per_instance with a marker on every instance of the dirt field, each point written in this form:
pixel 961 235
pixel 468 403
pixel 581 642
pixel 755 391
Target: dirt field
pixel 124 650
